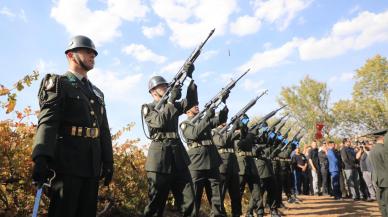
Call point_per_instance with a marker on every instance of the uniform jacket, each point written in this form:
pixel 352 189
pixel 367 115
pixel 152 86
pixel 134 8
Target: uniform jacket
pixel 166 151
pixel 378 156
pixel 65 101
pixel 229 160
pixel 204 157
pixel 247 165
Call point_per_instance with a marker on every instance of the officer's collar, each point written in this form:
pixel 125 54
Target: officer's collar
pixel 77 75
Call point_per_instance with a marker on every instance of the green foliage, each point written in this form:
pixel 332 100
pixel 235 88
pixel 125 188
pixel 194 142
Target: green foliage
pixel 308 105
pixel 368 109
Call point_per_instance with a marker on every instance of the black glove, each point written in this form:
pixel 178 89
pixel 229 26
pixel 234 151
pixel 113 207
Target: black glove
pixel 209 114
pixel 189 69
pixel 225 97
pixel 176 94
pixel 224 114
pixel 40 171
pixel 107 172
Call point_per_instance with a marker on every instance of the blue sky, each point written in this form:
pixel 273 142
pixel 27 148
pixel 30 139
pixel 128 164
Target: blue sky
pixel 282 41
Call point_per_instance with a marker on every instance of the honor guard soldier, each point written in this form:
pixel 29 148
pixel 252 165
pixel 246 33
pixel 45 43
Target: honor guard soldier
pixel 229 168
pixel 379 159
pixel 73 137
pixel 247 167
pixel 204 156
pixel 167 161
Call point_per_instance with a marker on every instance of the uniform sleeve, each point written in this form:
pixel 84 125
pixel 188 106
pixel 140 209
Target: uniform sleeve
pixel 50 115
pixel 192 131
pixel 158 119
pixel 106 140
pixel 219 139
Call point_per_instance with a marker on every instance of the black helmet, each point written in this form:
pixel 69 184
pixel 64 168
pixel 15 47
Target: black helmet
pixel 81 41
pixel 155 81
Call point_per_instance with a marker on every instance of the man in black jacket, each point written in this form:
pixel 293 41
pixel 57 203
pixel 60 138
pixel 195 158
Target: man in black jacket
pixel 348 157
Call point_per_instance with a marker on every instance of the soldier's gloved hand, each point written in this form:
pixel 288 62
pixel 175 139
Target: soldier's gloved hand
pixel 189 69
pixel 192 93
pixel 40 171
pixel 224 114
pixel 176 94
pixel 225 97
pixel 209 114
pixel 107 172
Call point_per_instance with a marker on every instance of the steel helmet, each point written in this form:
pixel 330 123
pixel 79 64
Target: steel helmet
pixel 81 41
pixel 155 81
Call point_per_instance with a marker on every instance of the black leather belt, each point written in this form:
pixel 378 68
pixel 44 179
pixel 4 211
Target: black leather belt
pixel 85 132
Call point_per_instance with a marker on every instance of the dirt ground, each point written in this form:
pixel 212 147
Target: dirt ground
pixel 327 206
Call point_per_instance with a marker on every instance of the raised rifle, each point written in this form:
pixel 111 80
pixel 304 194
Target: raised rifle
pixel 218 98
pixel 273 127
pixel 293 139
pixel 181 76
pixel 242 111
pixel 266 117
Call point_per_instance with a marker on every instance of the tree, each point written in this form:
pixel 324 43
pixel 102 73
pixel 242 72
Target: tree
pixel 368 109
pixel 308 104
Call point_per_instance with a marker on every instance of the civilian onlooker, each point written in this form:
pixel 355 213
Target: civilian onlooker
pixel 334 169
pixel 299 163
pixel 324 169
pixel 343 185
pixel 366 169
pixel 314 166
pixel 352 179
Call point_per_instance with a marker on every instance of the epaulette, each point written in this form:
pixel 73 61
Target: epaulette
pixel 50 89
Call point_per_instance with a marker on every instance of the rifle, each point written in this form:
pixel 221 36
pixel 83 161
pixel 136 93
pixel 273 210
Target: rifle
pixel 278 122
pixel 281 126
pixel 181 76
pixel 218 98
pixel 293 139
pixel 266 117
pixel 242 112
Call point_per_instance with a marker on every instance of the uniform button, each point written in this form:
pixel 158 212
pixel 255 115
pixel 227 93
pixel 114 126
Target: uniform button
pixel 94 124
pixel 92 112
pixel 91 101
pixel 77 97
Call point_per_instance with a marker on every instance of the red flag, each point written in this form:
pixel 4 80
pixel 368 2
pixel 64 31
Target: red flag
pixel 318 128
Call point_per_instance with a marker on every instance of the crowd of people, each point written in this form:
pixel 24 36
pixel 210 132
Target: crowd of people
pixel 340 170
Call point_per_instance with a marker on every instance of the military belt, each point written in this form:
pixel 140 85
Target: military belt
pixel 245 153
pixel 165 136
pixel 83 132
pixel 203 143
pixel 225 150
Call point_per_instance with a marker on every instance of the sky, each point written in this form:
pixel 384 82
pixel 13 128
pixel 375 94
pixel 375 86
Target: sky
pixel 281 41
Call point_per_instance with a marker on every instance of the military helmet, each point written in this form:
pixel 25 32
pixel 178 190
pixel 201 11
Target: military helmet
pixel 155 81
pixel 81 41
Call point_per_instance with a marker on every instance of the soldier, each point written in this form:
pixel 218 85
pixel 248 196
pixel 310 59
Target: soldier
pixel 229 167
pixel 379 159
pixel 285 171
pixel 204 156
pixel 248 170
pixel 73 136
pixel 264 168
pixel 167 161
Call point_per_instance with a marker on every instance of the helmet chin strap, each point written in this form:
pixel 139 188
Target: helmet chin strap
pixel 80 62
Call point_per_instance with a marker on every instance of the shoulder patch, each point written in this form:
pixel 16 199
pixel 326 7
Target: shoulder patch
pixel 49 84
pixel 50 89
pixel 145 110
pixel 98 92
pixel 183 126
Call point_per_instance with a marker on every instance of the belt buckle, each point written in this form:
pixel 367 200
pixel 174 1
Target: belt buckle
pixel 93 132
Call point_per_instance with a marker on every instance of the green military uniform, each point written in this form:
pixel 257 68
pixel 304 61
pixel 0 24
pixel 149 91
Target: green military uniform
pixel 205 161
pixel 229 170
pixel 285 177
pixel 379 158
pixel 73 135
pixel 248 170
pixel 167 161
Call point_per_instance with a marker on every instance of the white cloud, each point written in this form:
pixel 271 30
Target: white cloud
pixel 205 75
pixel 355 9
pixel 360 32
pixel 269 58
pixel 245 25
pixel 153 31
pixel 115 86
pixel 7 12
pixel 209 54
pixel 45 67
pixel 191 21
pixel 172 67
pixel 254 86
pixel 280 12
pixel 101 25
pixel 344 77
pixel 143 54
pixel 11 14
